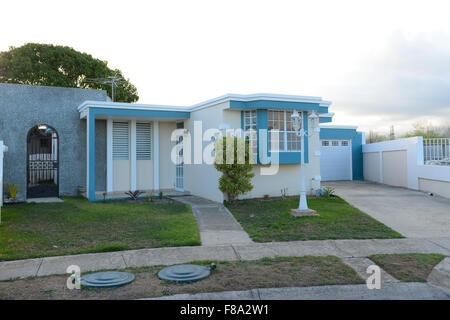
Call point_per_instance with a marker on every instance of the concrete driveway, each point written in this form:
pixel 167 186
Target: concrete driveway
pixel 411 213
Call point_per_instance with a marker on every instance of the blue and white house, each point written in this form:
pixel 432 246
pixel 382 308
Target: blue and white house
pixel 75 139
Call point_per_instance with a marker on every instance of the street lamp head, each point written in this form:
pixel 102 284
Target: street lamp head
pixel 314 120
pixel 296 120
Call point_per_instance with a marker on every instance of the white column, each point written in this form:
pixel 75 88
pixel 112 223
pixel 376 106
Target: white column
pixel 109 155
pixel 133 155
pixel 155 155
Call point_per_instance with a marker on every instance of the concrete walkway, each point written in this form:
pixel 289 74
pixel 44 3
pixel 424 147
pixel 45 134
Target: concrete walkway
pixel 388 291
pixel 412 213
pixel 216 224
pixel 249 251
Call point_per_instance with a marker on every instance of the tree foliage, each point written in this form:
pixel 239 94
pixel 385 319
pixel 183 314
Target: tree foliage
pixel 49 65
pixel 428 130
pixel 234 160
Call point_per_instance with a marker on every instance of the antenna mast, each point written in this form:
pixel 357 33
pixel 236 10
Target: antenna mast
pixel 112 80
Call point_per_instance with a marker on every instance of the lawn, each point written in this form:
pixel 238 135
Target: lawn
pixel 76 225
pixel 408 267
pixel 270 220
pixel 234 275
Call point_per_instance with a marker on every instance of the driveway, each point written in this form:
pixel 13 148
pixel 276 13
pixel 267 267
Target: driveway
pixel 412 213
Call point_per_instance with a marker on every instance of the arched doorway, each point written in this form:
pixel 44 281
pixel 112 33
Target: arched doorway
pixel 42 162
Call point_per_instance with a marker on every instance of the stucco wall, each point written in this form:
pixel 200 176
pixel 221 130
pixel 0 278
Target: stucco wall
pixel 23 106
pixel 202 179
pixel 441 188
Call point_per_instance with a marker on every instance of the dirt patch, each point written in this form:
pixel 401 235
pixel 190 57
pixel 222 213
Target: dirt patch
pixel 237 275
pixel 408 267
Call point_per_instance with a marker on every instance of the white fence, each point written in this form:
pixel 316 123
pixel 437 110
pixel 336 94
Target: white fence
pixel 402 163
pixel 436 151
pixel 3 149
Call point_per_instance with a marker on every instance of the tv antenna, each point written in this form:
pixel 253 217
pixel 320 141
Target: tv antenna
pixel 112 80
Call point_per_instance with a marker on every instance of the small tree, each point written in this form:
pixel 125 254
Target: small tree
pixel 234 160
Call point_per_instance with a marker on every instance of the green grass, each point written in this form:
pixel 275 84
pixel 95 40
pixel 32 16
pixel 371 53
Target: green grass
pixel 270 220
pixel 76 225
pixel 408 267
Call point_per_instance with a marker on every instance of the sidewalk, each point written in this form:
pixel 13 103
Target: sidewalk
pixel 249 251
pixel 216 224
pixel 389 291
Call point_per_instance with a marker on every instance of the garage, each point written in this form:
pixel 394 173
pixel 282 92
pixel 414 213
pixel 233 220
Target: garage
pixel 335 159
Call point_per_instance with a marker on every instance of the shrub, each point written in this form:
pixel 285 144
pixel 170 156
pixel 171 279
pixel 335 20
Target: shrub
pixel 234 160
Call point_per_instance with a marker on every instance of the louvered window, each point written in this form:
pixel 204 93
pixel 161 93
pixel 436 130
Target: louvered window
pixel 121 142
pixel 143 141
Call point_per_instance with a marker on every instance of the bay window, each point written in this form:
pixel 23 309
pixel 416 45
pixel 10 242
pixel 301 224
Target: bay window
pixel 282 136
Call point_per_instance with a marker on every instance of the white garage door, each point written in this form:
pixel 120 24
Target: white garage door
pixel 335 160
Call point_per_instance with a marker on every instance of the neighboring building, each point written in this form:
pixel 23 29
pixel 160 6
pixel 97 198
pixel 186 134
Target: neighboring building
pixel 62 140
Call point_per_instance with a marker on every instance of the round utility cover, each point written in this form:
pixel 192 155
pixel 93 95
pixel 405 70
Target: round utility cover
pixel 106 279
pixel 184 273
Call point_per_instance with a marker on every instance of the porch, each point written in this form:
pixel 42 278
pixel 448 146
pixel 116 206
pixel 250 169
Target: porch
pixel 138 149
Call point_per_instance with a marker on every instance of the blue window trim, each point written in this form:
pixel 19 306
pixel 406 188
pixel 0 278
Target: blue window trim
pixel 284 157
pixel 325 119
pixel 323 109
pixel 356 138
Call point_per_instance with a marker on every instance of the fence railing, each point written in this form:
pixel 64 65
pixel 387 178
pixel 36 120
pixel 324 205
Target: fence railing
pixel 436 151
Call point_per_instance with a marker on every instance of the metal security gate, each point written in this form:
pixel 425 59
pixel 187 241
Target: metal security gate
pixel 42 162
pixel 179 165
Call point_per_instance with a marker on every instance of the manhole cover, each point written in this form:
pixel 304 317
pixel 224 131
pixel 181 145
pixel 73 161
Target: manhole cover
pixel 185 272
pixel 106 279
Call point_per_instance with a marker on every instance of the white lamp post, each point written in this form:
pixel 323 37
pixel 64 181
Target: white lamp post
pixel 303 209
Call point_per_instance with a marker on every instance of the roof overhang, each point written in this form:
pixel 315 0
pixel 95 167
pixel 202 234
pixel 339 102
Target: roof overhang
pixel 109 109
pixel 328 126
pixel 262 97
pixel 236 101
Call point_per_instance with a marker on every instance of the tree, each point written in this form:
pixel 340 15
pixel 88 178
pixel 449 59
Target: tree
pixel 428 130
pixel 49 65
pixel 234 160
pixel 376 137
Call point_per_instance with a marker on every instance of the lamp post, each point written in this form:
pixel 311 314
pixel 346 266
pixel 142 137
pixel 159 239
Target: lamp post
pixel 303 209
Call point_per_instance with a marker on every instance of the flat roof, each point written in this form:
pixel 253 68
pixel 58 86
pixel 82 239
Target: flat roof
pixel 205 104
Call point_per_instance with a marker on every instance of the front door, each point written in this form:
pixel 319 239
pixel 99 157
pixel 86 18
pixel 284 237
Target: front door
pixel 42 162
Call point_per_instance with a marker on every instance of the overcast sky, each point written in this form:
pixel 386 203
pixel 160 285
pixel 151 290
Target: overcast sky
pixel 381 63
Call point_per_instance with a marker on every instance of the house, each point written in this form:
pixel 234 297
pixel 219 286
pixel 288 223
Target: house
pixel 63 140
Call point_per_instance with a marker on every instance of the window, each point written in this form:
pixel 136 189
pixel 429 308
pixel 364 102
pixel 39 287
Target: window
pixel 143 141
pixel 325 143
pixel 344 143
pixel 281 132
pixel 120 141
pixel 250 129
pixel 335 143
